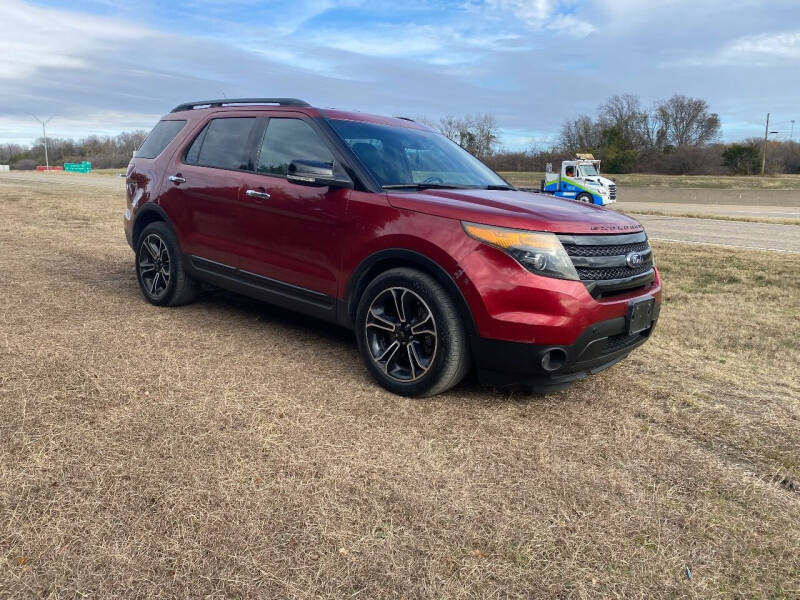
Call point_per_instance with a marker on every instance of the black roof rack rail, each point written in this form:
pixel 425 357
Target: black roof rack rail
pixel 406 119
pixel 231 101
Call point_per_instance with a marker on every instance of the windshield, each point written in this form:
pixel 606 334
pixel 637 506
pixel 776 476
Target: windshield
pixel 405 157
pixel 589 171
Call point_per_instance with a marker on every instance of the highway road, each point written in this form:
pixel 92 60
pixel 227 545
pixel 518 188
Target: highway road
pixel 735 234
pixel 736 211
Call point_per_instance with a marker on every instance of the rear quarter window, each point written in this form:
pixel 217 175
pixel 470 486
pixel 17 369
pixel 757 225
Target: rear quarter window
pixel 159 138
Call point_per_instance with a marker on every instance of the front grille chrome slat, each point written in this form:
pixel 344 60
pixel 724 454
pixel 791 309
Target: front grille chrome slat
pixel 606 261
pixel 602 261
pixel 615 250
pixel 604 273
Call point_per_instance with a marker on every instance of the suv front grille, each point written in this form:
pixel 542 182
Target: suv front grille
pixel 601 261
pixel 616 250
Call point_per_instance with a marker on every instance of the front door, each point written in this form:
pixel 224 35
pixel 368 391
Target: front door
pixel 291 233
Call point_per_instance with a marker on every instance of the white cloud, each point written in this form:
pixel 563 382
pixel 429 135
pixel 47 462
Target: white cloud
pixel 381 41
pixel 32 38
pixel 544 15
pixel 765 46
pixel 755 50
pixel 437 45
pixel 570 25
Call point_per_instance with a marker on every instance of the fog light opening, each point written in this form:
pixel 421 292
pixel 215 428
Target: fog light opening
pixel 554 359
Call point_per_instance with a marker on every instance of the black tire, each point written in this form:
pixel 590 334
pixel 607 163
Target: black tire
pixel 432 354
pixel 157 251
pixel 585 198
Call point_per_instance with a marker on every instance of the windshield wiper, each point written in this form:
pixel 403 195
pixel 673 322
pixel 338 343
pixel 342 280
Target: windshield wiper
pixel 499 187
pixel 427 186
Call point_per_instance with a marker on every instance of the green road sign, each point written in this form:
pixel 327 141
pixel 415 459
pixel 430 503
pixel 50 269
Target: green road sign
pixel 81 167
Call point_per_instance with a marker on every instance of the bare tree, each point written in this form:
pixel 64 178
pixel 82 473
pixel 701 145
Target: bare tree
pixel 485 128
pixel 688 121
pixel 475 133
pixel 8 152
pixel 625 114
pixel 451 127
pixel 580 135
pixel 654 131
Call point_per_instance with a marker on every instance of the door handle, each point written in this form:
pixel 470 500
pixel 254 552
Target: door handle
pixel 177 179
pixel 257 194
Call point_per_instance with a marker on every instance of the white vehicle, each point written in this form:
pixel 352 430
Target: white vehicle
pixel 580 180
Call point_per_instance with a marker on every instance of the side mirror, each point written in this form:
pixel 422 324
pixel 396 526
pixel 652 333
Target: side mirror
pixel 315 173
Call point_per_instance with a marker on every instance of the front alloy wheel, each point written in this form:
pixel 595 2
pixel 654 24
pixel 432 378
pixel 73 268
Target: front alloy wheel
pixel 401 334
pixel 410 333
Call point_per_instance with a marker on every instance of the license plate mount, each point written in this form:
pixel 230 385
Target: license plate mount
pixel 640 315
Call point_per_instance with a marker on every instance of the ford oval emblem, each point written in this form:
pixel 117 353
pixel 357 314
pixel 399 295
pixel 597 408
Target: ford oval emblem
pixel 634 259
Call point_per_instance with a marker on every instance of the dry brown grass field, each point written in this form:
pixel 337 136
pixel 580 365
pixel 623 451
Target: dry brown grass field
pixel 231 449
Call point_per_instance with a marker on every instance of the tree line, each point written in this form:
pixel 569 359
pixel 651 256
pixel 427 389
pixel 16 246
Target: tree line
pixel 102 151
pixel 679 135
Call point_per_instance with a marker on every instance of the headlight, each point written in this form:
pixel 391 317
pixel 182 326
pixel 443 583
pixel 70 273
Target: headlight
pixel 538 251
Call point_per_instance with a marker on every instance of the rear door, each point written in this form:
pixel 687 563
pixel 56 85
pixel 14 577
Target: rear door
pixel 202 187
pixel 292 233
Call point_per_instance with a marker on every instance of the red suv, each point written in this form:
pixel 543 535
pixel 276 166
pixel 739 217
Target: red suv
pixel 387 227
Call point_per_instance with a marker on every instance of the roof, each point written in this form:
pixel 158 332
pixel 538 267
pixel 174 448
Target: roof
pixel 344 115
pixel 238 102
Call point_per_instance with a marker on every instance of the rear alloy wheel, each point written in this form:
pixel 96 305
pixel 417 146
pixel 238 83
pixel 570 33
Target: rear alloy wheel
pixel 154 266
pixel 586 198
pixel 410 334
pixel 159 270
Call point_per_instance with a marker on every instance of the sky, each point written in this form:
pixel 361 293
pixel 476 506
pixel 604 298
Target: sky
pixel 105 66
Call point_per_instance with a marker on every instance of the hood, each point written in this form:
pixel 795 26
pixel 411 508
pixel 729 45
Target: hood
pixel 519 210
pixel 601 180
pixel 605 181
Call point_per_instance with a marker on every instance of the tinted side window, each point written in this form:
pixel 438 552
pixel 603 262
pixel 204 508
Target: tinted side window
pixel 159 138
pixel 194 151
pixel 287 140
pixel 223 144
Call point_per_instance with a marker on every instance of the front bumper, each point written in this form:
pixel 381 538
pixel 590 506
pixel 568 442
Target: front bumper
pixel 601 345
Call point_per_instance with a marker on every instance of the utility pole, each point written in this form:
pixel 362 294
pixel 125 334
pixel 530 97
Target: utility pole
pixel 44 135
pixel 764 151
pixel 791 134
